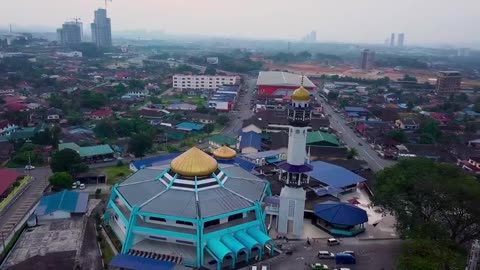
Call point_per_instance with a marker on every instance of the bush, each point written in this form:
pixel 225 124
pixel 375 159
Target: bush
pixel 120 163
pixel 98 191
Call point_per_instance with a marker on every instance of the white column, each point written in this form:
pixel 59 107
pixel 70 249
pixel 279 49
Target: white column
pixel 296 145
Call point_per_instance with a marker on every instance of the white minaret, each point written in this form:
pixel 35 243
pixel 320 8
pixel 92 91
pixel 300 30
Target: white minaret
pixel 293 171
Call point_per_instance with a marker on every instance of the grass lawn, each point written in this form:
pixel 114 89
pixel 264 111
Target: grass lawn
pixel 115 173
pixel 14 192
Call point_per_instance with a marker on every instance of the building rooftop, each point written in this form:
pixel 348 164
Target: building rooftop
pixel 251 139
pixel 87 151
pixel 67 201
pixel 194 162
pixel 340 213
pixel 333 175
pixel 316 137
pixel 7 178
pixel 224 152
pixel 280 78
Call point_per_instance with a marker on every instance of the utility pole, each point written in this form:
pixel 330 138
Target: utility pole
pixel 474 256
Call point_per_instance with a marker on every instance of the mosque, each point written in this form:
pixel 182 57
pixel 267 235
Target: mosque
pixel 200 210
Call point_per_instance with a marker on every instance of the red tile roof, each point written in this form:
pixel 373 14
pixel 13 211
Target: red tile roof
pixel 104 112
pixel 16 107
pixel 7 178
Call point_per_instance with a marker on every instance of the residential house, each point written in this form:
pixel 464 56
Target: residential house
pixel 90 153
pixel 250 142
pixel 7 128
pixel 101 113
pixel 189 126
pixel 407 124
pixel 471 165
pixel 151 113
pixel 203 118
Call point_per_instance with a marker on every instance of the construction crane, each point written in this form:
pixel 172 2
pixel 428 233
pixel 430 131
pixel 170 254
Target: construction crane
pixel 474 256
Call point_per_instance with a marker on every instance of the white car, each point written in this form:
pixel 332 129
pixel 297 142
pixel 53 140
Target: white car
pixel 323 254
pixel 81 186
pixel 29 167
pixel 74 186
pixel 333 242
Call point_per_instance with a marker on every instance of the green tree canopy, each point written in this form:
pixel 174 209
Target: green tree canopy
pixel 430 132
pixel 93 100
pixel 139 144
pixel 210 70
pixel 436 201
pixel 61 180
pixel 222 119
pixel 67 160
pixel 397 135
pixel 332 95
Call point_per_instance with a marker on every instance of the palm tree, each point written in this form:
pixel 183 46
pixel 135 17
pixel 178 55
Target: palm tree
pixel 352 153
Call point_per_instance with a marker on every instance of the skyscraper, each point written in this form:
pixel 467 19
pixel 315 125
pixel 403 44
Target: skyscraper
pixel 101 29
pixel 401 39
pixel 70 33
pixel 392 40
pixel 310 37
pixel 367 59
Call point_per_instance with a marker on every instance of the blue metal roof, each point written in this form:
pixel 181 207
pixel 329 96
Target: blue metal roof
pixel 160 160
pixel 340 213
pixel 68 201
pixel 139 263
pixel 251 139
pixel 333 175
pixel 355 109
pixel 242 163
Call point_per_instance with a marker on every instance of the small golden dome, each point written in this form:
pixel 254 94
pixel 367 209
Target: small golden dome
pixel 301 94
pixel 224 152
pixel 194 162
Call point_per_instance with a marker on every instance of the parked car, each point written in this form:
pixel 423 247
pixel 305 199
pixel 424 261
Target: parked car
pixel 74 186
pixel 29 167
pixel 323 254
pixel 333 242
pixel 318 266
pixel 82 186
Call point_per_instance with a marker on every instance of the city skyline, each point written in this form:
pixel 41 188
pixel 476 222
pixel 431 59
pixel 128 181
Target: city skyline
pixel 349 25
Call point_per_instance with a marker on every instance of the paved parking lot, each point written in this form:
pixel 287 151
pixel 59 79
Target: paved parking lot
pixel 370 254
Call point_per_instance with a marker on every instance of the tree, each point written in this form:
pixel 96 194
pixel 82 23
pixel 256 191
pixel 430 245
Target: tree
pixel 139 144
pixel 104 129
pixel 61 180
pixel 397 135
pixel 208 128
pixel 410 105
pixel 201 109
pixel 67 160
pixel 432 200
pixel 210 71
pixel 136 84
pixel 425 254
pixel 89 99
pixel 332 95
pixel 352 153
pixel 430 132
pixel 222 119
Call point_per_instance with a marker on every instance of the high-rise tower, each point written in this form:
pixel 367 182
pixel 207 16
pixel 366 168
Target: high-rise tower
pixel 401 40
pixel 392 40
pixel 101 29
pixel 293 171
pixel 70 33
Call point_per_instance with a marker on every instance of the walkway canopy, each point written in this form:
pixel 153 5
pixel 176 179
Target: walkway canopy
pixel 340 213
pixel 247 240
pixel 218 249
pixel 261 237
pixel 130 262
pixel 234 245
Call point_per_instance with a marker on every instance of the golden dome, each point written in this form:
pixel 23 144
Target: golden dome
pixel 224 152
pixel 194 162
pixel 301 94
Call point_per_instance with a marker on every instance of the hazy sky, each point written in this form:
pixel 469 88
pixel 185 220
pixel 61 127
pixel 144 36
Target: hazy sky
pixel 423 21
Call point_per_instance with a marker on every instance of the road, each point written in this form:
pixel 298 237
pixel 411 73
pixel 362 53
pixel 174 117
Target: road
pixel 24 202
pixel 370 254
pixel 352 140
pixel 242 109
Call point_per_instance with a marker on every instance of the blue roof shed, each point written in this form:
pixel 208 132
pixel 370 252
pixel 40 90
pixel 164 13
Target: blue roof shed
pixel 251 139
pixel 333 175
pixel 67 201
pixel 340 213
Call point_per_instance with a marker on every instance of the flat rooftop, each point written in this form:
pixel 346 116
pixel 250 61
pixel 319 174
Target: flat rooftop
pixel 280 78
pixel 56 236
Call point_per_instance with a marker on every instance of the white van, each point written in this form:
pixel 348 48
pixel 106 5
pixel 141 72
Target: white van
pixel 323 254
pixel 333 242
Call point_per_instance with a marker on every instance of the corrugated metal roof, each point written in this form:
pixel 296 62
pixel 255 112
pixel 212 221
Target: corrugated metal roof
pixel 340 213
pixel 154 160
pixel 333 175
pixel 68 201
pixel 141 192
pixel 280 78
pixel 139 263
pixel 87 151
pixel 316 137
pixel 173 202
pixel 218 201
pixel 251 139
pixel 142 175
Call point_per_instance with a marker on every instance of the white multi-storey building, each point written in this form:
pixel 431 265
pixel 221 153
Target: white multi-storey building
pixel 205 82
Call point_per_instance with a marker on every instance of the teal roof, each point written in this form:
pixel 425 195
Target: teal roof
pixel 322 138
pixel 233 244
pixel 223 140
pixel 218 248
pixel 189 126
pixel 68 201
pixel 87 151
pixel 258 235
